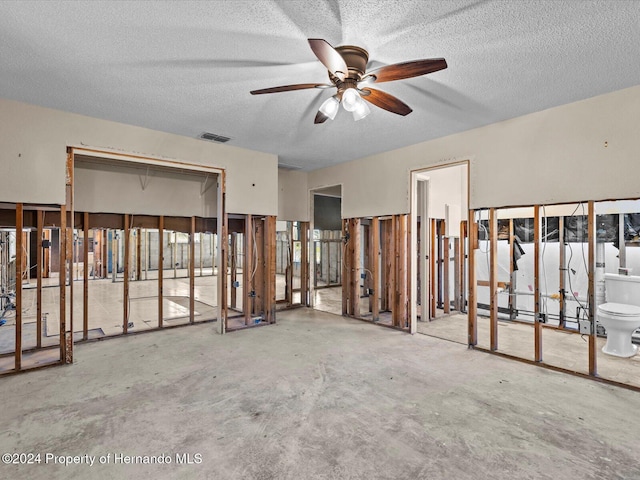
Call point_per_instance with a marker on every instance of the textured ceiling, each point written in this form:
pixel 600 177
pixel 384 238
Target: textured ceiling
pixel 188 67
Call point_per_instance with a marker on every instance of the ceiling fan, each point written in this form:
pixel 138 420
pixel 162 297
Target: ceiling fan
pixel 347 66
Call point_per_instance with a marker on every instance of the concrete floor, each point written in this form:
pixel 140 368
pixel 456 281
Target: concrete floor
pixel 559 348
pixel 316 396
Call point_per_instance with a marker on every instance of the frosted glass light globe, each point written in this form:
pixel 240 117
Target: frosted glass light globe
pixel 350 99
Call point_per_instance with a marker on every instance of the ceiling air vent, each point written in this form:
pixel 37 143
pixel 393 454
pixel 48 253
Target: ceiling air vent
pixel 287 166
pixel 212 137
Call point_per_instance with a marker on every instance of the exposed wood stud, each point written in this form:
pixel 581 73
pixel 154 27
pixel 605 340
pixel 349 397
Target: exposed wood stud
pixel 289 269
pixel 63 282
pixel 393 262
pixel 354 286
pixel 39 270
pixel 270 268
pixel 138 233
pixel 472 308
pixel 258 284
pixel 456 274
pixel 493 277
pixel 85 284
pixel 18 262
pixel 127 252
pixel 192 270
pixel 346 265
pixel 445 269
pixel 304 263
pixel 433 284
pixel 247 268
pixel 402 269
pixel 160 268
pixel 385 265
pixel 536 288
pixel 462 261
pixel 222 272
pixel 512 274
pixel 374 256
pixel 563 267
pixel 593 367
pixel 68 251
pixel 233 267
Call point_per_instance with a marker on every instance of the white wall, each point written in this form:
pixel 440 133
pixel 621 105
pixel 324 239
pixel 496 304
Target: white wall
pixel 33 142
pixel 293 196
pixel 552 156
pixel 447 186
pixel 134 189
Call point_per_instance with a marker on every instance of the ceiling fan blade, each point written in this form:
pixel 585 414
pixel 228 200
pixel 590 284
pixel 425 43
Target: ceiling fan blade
pixel 288 88
pixel 329 57
pixel 320 118
pixel 414 68
pixel 386 101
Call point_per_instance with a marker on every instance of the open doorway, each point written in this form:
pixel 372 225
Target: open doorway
pixel 327 249
pixel 438 251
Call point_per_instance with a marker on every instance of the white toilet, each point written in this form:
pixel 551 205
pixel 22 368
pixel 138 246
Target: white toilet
pixel 620 316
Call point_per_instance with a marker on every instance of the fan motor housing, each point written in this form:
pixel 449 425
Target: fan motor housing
pixel 356 59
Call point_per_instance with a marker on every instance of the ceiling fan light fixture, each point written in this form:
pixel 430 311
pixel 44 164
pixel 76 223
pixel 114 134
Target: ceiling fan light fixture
pixel 330 107
pixel 361 111
pixel 351 99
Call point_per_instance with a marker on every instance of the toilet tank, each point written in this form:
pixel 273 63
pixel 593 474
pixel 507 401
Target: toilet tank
pixel 622 289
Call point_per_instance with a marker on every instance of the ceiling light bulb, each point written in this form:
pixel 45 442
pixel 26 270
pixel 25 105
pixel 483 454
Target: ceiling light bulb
pixel 350 99
pixel 330 107
pixel 361 111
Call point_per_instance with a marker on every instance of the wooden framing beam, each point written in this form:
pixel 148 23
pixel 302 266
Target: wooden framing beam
pixel 536 287
pixel 247 268
pixel 512 276
pixel 127 252
pixel 433 285
pixel 456 274
pixel 393 275
pixel 487 283
pixel 472 315
pixel 462 260
pixel 354 283
pixel 493 278
pixel 365 240
pixel 222 271
pixel 46 254
pixel 270 269
pixel 18 263
pixel 39 270
pixel 138 254
pixel 160 269
pixel 439 263
pixel 403 271
pixel 259 267
pixel 374 255
pixel 445 268
pixel 69 230
pixel 593 363
pixel 85 283
pixel 289 270
pixel 192 271
pixel 304 263
pixel 62 250
pixel 346 265
pixel 385 264
pixel 233 266
pixel 562 307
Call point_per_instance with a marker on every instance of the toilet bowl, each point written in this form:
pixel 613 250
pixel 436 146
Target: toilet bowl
pixel 620 321
pixel 620 316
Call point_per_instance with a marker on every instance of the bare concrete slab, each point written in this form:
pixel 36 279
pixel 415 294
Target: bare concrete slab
pixel 316 396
